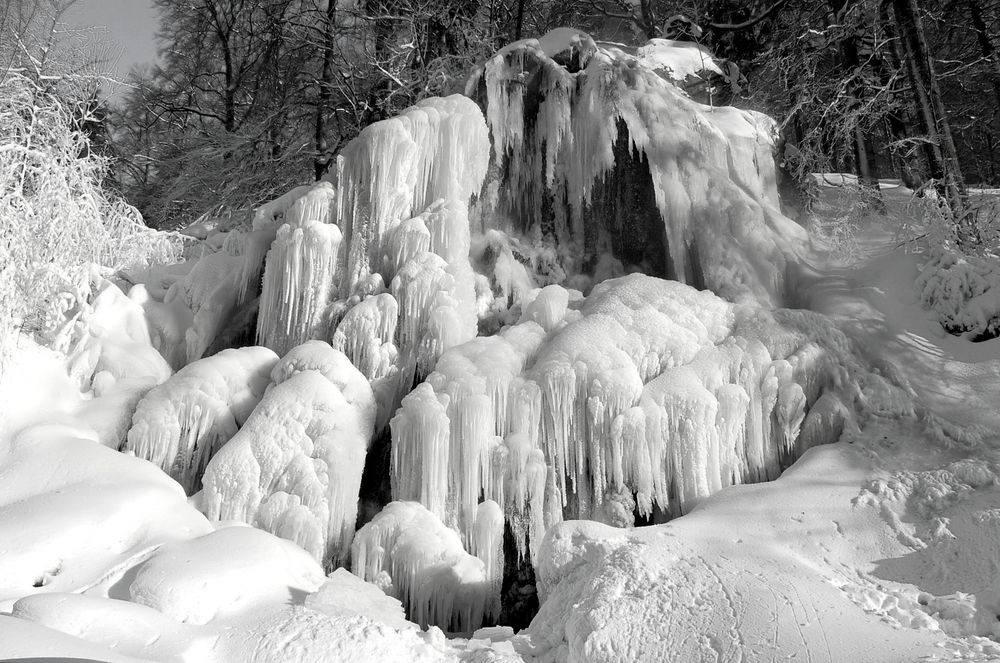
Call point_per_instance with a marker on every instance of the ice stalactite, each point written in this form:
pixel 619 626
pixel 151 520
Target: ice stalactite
pixel 396 215
pixel 182 423
pixel 578 127
pixel 294 468
pixel 414 557
pixel 366 335
pixel 397 168
pixel 299 272
pixel 266 220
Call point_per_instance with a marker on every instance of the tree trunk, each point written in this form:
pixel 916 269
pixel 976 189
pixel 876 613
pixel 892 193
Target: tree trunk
pixel 925 84
pixel 520 20
pixel 865 167
pixel 321 163
pixel 920 103
pixel 985 45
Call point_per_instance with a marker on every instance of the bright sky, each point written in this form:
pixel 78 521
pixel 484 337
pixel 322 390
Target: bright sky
pixel 131 25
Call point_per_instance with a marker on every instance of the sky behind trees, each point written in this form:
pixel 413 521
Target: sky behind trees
pixel 131 24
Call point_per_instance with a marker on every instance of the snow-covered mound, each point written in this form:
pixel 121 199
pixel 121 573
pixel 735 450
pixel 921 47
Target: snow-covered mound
pixel 962 291
pixel 180 424
pixel 294 468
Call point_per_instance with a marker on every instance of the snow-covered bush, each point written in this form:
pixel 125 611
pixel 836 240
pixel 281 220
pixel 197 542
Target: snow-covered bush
pixel 963 291
pixel 56 219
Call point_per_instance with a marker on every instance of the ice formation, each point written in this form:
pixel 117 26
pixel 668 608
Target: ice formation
pixel 414 557
pixel 647 394
pixel 182 423
pixel 108 341
pixel 294 468
pixel 208 291
pixel 600 154
pixel 299 271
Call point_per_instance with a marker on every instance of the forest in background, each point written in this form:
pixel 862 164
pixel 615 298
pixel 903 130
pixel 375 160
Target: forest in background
pixel 252 97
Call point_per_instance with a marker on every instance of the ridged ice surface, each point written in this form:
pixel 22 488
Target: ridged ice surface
pixel 412 555
pixel 294 468
pixel 181 423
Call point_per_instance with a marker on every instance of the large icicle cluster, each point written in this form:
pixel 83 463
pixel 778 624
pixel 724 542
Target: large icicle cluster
pixel 377 262
pixel 583 133
pixel 411 555
pixel 180 424
pixel 294 468
pixel 648 395
pixel 298 275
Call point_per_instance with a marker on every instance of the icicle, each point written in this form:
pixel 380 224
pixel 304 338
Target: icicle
pixel 365 334
pixel 405 241
pixel 420 450
pixel 487 545
pixel 429 571
pixel 297 283
pixel 180 424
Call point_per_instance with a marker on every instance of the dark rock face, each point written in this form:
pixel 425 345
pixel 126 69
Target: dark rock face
pixel 518 595
pixel 622 216
pixel 239 332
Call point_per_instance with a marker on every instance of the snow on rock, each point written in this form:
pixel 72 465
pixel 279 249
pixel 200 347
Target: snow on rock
pixel 127 628
pixel 346 595
pixel 111 342
pixel 334 365
pixel 228 572
pixel 677 59
pixel 74 513
pixel 663 183
pixel 294 468
pixel 412 555
pixel 182 423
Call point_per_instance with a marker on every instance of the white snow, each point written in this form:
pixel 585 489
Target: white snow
pixel 294 468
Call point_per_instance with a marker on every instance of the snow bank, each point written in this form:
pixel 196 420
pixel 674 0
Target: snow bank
pixel 222 574
pixel 73 512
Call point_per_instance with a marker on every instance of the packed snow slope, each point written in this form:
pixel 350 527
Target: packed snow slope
pixel 162 500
